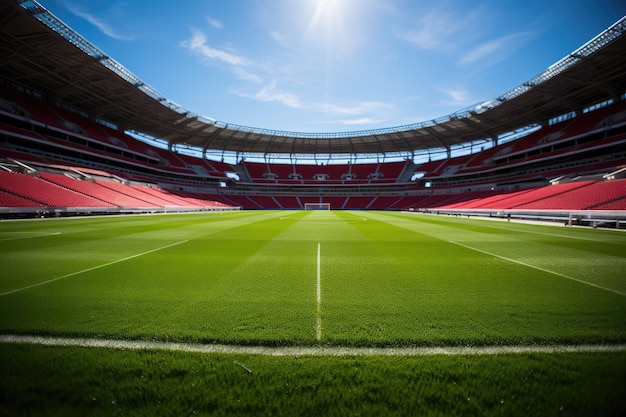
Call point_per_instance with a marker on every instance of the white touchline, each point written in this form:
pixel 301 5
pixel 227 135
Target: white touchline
pixel 318 326
pixel 309 350
pixel 92 268
pixel 539 268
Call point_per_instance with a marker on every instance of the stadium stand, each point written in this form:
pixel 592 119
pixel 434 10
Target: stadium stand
pixel 67 157
pixel 11 200
pixel 46 193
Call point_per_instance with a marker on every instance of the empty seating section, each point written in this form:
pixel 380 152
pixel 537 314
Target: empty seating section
pixel 266 202
pixel 355 202
pixel 258 172
pixel 329 174
pixel 12 200
pixel 122 195
pixel 336 203
pixel 473 199
pixel 308 200
pixel 243 201
pixel 34 124
pixel 362 172
pixel 531 199
pixel 613 205
pixel 586 196
pixel 201 199
pixel 59 190
pixel 582 195
pixel 382 203
pixel 406 203
pixel 288 202
pixel 431 168
pixel 282 171
pixel 390 171
pixel 500 201
pixel 334 172
pixel 84 187
pixel 162 198
pixel 219 168
pixel 117 195
pixel 45 192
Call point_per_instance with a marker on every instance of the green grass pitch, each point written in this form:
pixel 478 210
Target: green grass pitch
pixel 307 279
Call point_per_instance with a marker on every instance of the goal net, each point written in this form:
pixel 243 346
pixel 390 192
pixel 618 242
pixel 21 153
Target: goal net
pixel 317 206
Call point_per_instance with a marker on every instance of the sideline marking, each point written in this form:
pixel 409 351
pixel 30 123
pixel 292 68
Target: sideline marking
pixel 308 350
pixel 539 268
pixel 28 237
pixel 318 326
pixel 91 269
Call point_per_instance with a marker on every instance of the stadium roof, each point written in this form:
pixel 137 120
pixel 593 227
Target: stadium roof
pixel 42 53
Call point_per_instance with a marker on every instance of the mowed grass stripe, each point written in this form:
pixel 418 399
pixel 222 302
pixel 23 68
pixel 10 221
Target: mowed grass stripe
pixel 248 284
pixel 91 269
pixel 600 263
pixel 86 243
pixel 385 282
pixel 454 296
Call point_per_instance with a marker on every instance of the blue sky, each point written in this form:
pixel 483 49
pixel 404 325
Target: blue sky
pixel 335 65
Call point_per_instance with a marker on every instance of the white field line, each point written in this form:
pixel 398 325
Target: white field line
pixel 308 350
pixel 318 326
pixel 539 268
pixel 29 237
pixel 558 235
pixel 91 269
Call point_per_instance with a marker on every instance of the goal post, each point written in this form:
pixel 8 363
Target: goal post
pixel 317 206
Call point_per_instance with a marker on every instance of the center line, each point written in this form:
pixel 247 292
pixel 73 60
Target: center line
pixel 318 326
pixel 92 268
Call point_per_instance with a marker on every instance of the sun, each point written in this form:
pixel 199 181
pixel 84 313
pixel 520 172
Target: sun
pixel 325 15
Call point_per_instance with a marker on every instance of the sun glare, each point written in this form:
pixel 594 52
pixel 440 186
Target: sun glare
pixel 324 20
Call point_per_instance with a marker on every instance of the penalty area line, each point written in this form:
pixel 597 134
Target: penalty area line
pixel 538 268
pixel 29 237
pixel 91 269
pixel 309 350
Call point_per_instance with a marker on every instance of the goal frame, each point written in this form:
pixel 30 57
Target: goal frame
pixel 317 206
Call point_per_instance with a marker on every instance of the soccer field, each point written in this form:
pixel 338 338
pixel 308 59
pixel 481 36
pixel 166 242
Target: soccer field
pixel 318 279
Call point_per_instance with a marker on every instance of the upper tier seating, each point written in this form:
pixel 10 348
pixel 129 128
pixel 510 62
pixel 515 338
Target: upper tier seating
pixel 325 174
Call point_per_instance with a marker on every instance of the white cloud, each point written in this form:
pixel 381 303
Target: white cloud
pixel 456 97
pixel 361 121
pixel 279 38
pixel 269 93
pixel 197 44
pixel 360 108
pixel 360 113
pixel 214 22
pixel 494 50
pixel 96 21
pixel 432 31
pixel 244 74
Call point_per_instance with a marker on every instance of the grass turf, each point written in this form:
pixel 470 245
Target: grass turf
pixel 56 381
pixel 387 279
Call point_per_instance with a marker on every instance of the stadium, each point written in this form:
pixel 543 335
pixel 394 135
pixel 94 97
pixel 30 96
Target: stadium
pixel 159 262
